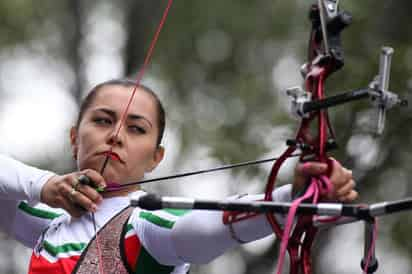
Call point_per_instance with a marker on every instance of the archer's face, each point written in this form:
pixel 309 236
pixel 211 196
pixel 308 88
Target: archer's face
pixel 134 149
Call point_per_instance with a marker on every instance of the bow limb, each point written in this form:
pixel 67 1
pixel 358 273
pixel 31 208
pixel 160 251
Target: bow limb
pixel 322 61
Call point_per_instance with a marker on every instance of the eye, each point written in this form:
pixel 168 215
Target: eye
pixel 137 129
pixel 102 121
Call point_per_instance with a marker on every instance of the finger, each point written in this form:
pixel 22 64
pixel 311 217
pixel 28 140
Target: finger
pixel 65 201
pixel 84 201
pixel 345 188
pixel 311 168
pixel 352 196
pixel 77 198
pixel 340 175
pixel 96 179
pixel 336 173
pixel 73 210
pixel 90 193
pixel 347 173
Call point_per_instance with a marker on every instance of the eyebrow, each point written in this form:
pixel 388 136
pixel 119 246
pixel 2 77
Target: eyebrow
pixel 113 114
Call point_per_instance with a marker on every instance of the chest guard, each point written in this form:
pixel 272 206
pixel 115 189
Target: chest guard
pixel 110 242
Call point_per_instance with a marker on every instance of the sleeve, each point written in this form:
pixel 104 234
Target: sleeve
pixel 154 230
pixel 21 182
pixel 175 237
pixel 25 222
pixel 22 220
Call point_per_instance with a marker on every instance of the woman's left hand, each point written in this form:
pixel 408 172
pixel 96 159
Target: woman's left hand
pixel 340 177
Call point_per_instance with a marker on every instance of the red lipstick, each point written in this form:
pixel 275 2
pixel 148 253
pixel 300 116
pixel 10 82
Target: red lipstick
pixel 112 155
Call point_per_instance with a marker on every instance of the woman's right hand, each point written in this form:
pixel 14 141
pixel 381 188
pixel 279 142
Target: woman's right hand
pixel 68 193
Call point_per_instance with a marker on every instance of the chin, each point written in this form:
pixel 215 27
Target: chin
pixel 111 177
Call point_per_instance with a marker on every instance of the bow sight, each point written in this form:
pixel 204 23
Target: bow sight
pixel 377 91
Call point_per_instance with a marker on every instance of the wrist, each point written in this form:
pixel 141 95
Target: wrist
pixel 45 188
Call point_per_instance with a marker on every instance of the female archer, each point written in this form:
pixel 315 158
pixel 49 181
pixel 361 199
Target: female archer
pixel 158 242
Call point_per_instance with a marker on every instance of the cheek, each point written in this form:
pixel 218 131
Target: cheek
pixel 142 154
pixel 87 143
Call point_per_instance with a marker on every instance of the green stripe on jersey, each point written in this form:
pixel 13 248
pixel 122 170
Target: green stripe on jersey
pixel 147 264
pixel 41 213
pixel 156 219
pixel 177 212
pixel 129 227
pixel 54 250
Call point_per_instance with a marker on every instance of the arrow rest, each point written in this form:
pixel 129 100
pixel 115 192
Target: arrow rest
pixel 299 98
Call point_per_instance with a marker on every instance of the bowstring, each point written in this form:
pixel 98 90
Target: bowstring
pixel 124 115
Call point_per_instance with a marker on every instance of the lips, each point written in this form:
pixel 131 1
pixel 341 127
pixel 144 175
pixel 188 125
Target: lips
pixel 112 156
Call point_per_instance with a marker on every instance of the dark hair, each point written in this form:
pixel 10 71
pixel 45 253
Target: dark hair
pixel 88 100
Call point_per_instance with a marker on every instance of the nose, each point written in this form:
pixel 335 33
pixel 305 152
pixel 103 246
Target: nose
pixel 116 136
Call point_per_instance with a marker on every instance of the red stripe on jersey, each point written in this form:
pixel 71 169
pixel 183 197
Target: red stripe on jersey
pixel 132 247
pixel 39 265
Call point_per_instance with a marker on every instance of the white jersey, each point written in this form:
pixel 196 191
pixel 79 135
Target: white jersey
pixel 164 241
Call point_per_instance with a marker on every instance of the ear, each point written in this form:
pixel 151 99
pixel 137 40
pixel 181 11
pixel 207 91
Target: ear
pixel 157 158
pixel 73 142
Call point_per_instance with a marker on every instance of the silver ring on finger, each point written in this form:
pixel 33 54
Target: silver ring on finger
pixel 73 192
pixel 76 184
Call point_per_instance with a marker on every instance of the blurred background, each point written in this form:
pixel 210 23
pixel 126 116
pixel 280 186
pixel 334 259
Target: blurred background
pixel 221 69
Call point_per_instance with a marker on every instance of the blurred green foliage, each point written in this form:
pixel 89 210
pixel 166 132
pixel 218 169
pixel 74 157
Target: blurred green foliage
pixel 218 58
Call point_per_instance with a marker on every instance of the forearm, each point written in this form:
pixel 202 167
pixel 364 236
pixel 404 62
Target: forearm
pixel 19 181
pixel 205 231
pixel 24 222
